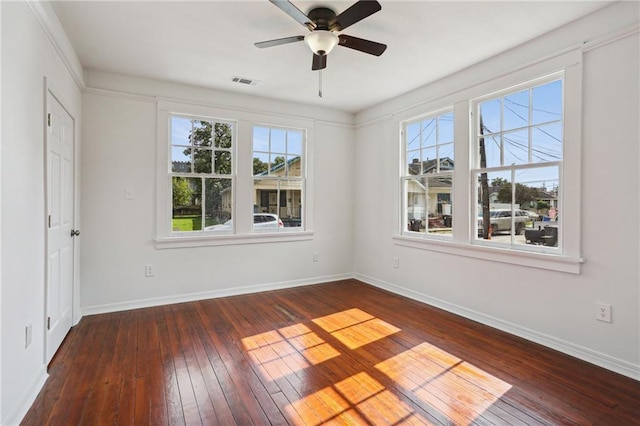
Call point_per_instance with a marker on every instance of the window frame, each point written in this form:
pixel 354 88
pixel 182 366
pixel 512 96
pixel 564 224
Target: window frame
pixel 278 179
pixel 203 175
pixel 405 176
pixel 242 233
pixel 570 260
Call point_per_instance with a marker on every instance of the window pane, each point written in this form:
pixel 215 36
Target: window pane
pixel 516 110
pixel 187 204
pixel 294 143
pixel 445 153
pixel 277 165
pixel 265 195
pixel 492 151
pixel 413 136
pixel 278 141
pixel 445 128
pixel 290 212
pixel 180 131
pixel 180 159
pixel 202 160
pixel 489 117
pixel 260 163
pixel 537 198
pixel 547 143
pixel 201 135
pixel 223 163
pixel 223 135
pixel 516 147
pixel 294 165
pixel 429 163
pixel 414 165
pixel 429 132
pixel 493 196
pixel 218 201
pixel 416 204
pixel 547 102
pixel 261 139
pixel 439 205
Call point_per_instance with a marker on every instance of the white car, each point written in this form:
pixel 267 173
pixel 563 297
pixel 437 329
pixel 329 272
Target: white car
pixel 260 221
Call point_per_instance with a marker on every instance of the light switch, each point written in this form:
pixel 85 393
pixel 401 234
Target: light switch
pixel 128 193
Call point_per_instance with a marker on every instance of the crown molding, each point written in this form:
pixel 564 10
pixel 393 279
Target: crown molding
pixel 51 26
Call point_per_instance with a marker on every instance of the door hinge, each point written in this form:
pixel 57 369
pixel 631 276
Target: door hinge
pixel 48 323
pixel 49 119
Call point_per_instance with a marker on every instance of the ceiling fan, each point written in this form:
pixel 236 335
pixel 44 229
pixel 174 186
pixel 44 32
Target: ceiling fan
pixel 323 23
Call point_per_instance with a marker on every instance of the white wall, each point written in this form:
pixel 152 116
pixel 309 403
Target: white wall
pixel 553 308
pixel 119 149
pixel 27 58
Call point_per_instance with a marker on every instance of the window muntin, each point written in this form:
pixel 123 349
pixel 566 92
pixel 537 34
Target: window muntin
pixel 278 178
pixel 427 179
pixel 518 164
pixel 201 174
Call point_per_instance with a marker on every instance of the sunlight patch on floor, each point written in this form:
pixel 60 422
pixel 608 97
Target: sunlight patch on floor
pixel 287 350
pixel 358 399
pixel 355 328
pixel 456 388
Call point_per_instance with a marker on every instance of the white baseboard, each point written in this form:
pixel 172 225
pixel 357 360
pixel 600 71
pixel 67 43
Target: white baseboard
pixel 602 360
pixel 26 400
pixel 191 297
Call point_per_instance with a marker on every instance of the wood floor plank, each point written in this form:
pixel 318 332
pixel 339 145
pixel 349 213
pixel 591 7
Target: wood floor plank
pixel 334 353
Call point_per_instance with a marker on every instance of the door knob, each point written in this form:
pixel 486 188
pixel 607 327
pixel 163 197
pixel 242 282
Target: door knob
pixel 75 232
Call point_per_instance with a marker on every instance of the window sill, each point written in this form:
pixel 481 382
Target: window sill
pixel 552 262
pixel 230 239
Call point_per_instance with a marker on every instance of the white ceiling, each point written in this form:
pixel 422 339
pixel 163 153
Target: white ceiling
pixel 206 43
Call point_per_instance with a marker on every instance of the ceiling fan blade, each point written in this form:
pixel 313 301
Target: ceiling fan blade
pixel 278 41
pixel 366 46
pixel 288 8
pixel 357 12
pixel 319 62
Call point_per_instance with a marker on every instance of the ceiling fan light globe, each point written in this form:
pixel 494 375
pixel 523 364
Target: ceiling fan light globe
pixel 321 42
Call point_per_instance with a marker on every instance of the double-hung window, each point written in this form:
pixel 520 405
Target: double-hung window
pixel 518 141
pixel 427 176
pixel 278 178
pixel 201 174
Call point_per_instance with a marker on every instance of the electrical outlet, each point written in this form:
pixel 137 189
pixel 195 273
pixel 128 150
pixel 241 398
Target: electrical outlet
pixel 28 335
pixel 603 312
pixel 316 256
pixel 149 270
pixel 396 262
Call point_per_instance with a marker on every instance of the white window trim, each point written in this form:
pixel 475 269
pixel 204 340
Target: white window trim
pixel 242 178
pixel 404 176
pixel 462 243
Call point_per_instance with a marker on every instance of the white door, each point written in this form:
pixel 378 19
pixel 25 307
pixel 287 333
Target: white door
pixel 60 235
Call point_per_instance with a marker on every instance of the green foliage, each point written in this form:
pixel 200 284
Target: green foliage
pixel 259 166
pixel 182 192
pixel 524 194
pixel 499 182
pixel 542 205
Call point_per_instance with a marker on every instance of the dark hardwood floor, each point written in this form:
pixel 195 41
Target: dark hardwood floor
pixel 337 353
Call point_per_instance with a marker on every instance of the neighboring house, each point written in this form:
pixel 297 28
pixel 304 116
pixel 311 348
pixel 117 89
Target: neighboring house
pixel 265 195
pixel 438 198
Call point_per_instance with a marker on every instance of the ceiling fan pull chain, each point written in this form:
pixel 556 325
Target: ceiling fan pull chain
pixel 320 83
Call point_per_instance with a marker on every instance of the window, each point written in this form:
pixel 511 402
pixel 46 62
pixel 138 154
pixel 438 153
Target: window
pixel 427 176
pixel 201 174
pixel 278 178
pixel 517 165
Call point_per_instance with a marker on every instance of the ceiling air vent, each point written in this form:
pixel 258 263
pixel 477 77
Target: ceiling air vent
pixel 247 81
